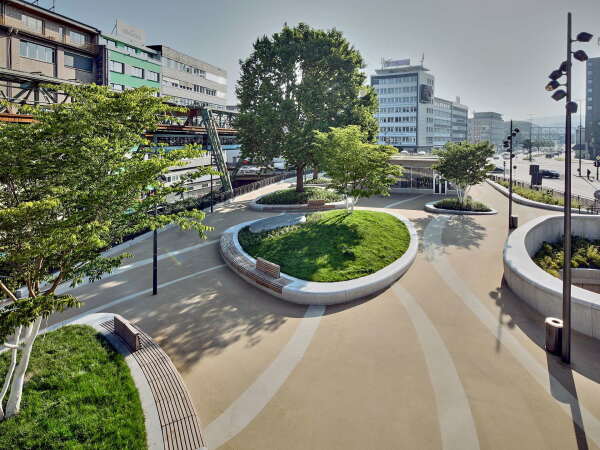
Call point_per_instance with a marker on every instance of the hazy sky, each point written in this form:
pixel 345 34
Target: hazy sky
pixel 494 54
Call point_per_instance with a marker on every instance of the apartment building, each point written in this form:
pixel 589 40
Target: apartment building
pixel 592 111
pixel 189 81
pixel 488 126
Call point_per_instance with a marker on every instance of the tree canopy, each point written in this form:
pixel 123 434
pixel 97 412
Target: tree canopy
pixel 464 164
pixel 72 183
pixel 356 168
pixel 295 82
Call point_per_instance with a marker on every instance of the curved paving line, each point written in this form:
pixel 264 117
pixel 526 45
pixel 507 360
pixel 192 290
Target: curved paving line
pixel 391 205
pixel 253 400
pixel 457 427
pixel 433 244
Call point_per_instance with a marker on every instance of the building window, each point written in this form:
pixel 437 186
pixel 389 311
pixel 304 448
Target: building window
pixel 136 72
pixel 77 38
pixel 78 62
pixel 152 76
pixel 32 23
pixel 115 66
pixel 117 87
pixel 37 52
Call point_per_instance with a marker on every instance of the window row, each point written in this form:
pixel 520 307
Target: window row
pixel 396 90
pixel 398 119
pixel 119 67
pixel 397 139
pixel 397 109
pixel 395 80
pixel 172 82
pixel 37 25
pixel 172 64
pixel 398 100
pixel 398 129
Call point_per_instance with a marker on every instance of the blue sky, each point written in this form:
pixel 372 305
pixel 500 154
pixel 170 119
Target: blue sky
pixel 494 54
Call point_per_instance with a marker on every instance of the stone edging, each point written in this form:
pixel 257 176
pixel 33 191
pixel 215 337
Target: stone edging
pixel 430 207
pixel 525 201
pixel 305 292
pixel 539 289
pixel 297 207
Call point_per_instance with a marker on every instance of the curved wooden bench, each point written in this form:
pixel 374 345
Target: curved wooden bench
pixel 178 418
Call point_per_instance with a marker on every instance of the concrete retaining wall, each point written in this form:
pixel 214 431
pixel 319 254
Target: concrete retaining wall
pixel 539 289
pixel 316 293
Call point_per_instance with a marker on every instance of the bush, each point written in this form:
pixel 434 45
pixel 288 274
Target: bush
pixel 291 197
pixel 455 205
pixel 541 196
pixel 585 254
pixel 319 181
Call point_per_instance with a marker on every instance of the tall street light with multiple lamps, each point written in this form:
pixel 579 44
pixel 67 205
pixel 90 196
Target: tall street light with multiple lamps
pixel 570 108
pixel 508 144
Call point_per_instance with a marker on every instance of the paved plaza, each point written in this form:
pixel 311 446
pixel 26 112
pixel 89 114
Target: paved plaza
pixel 446 358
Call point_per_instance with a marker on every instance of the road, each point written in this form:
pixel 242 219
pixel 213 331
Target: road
pixel 446 358
pixel 579 185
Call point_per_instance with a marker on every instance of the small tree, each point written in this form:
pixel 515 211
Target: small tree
pixel 464 164
pixel 71 184
pixel 293 83
pixel 356 168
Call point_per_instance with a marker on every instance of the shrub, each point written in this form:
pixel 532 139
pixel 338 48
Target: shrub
pixel 455 205
pixel 291 197
pixel 584 254
pixel 541 196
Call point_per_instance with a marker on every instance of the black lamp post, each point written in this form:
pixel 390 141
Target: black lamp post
pixel 570 108
pixel 513 221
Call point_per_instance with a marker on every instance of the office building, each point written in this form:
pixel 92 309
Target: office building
pixel 190 81
pixel 592 112
pixel 128 63
pixel 488 126
pixel 39 46
pixel 410 117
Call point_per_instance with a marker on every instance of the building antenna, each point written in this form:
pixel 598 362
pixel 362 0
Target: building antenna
pixel 114 30
pixel 422 59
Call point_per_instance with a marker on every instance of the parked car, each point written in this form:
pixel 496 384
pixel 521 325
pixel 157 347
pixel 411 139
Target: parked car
pixel 546 173
pixel 497 170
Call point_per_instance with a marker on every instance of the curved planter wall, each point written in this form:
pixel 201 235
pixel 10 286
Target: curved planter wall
pixel 296 207
pixel 430 207
pixel 305 292
pixel 539 289
pixel 525 201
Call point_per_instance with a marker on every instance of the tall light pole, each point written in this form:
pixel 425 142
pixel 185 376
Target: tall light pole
pixel 508 143
pixel 570 108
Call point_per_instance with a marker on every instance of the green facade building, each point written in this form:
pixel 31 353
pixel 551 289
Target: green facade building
pixel 129 64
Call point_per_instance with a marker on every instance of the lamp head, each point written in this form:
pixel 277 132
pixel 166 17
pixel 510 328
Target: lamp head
pixel 580 55
pixel 555 74
pixel 559 95
pixel 584 37
pixel 553 84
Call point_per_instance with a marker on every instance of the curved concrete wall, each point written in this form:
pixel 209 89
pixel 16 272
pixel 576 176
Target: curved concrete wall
pixel 254 205
pixel 316 293
pixel 539 289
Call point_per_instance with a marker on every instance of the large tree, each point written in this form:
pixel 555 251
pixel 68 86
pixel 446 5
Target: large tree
pixel 295 82
pixel 72 183
pixel 464 164
pixel 356 168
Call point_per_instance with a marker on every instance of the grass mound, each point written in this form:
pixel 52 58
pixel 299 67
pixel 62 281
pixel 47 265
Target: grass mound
pixel 455 205
pixel 585 254
pixel 541 196
pixel 291 197
pixel 332 246
pixel 79 394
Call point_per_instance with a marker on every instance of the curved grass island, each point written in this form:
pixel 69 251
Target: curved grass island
pixel 324 258
pixel 313 197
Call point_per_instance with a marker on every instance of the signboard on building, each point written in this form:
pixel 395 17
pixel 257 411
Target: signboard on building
pixel 386 63
pixel 132 33
pixel 426 92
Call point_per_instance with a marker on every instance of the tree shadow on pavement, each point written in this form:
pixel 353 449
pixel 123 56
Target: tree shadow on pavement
pixel 460 231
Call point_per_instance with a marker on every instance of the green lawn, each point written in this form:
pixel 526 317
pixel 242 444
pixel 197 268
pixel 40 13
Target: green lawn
pixel 332 246
pixel 291 197
pixel 455 205
pixel 79 394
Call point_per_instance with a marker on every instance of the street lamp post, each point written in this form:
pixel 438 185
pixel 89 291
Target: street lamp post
pixel 570 108
pixel 155 256
pixel 508 143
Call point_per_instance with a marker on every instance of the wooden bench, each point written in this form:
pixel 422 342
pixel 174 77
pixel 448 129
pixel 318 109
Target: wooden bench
pixel 129 334
pixel 268 267
pixel 178 419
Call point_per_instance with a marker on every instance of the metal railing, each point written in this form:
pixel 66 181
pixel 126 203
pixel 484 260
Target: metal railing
pixel 586 205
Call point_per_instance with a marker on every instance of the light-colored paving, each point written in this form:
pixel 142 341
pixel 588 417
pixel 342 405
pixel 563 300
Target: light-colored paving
pixel 380 373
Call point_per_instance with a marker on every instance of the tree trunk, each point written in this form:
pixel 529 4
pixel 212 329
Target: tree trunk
pixel 315 173
pixel 300 179
pixel 11 369
pixel 16 389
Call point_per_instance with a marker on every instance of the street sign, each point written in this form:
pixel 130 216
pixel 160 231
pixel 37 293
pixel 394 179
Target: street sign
pixel 597 194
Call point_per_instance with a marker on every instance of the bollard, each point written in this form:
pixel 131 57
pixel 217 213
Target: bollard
pixel 553 335
pixel 513 222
